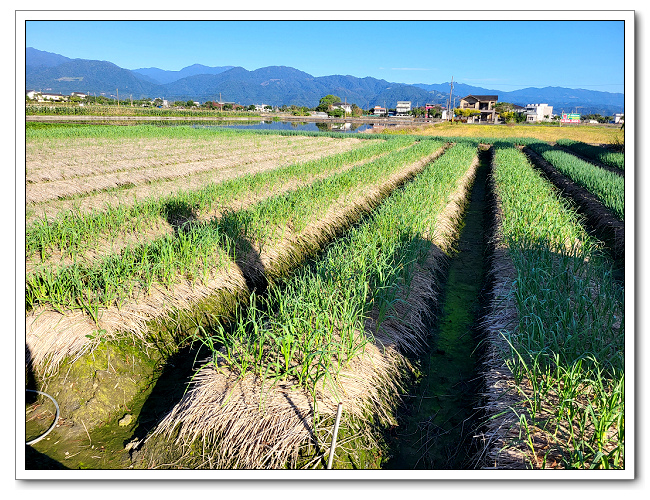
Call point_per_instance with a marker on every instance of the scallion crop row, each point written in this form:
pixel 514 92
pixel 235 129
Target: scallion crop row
pixel 74 230
pixel 315 323
pixel 567 350
pixel 191 253
pixel 598 153
pixel 608 187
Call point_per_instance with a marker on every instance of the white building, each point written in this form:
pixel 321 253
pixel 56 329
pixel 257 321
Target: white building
pixel 538 112
pixel 347 108
pixel 618 118
pixel 403 108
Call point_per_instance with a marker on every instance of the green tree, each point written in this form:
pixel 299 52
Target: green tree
pixel 520 117
pixel 503 107
pixel 466 112
pixel 326 102
pixel 337 113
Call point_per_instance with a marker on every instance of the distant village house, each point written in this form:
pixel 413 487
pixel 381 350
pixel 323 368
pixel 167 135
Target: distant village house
pixel 403 108
pixel 539 112
pixel 45 96
pixel 347 108
pixel 483 103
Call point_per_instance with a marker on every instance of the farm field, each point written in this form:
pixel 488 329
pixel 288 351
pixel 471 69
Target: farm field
pixel 583 133
pixel 177 277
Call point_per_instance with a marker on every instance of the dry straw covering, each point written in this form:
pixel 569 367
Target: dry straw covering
pixel 231 421
pixel 52 336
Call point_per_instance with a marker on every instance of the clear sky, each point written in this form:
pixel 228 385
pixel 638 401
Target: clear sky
pixel 499 55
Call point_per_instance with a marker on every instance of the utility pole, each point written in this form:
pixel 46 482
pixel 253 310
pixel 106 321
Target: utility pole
pixel 449 108
pixel 118 97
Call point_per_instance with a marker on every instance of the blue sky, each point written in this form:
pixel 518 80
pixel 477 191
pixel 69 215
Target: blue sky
pixel 500 55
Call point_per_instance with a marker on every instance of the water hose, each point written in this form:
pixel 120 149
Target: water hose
pixel 56 419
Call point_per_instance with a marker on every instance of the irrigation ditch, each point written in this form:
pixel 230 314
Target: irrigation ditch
pixel 441 413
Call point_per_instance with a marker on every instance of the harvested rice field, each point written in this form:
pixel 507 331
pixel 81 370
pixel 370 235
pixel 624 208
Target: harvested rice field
pixel 204 298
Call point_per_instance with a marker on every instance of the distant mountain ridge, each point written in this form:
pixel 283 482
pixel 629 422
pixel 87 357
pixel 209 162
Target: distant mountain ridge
pixel 161 76
pixel 277 86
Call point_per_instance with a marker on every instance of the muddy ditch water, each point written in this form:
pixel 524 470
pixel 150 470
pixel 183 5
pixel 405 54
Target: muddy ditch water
pixel 435 426
pixel 439 416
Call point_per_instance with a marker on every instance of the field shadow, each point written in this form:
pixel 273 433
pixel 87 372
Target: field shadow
pixel 236 224
pixel 35 460
pixel 178 367
pixel 30 378
pixel 179 214
pixel 169 389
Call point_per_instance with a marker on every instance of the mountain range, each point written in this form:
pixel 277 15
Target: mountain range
pixel 278 85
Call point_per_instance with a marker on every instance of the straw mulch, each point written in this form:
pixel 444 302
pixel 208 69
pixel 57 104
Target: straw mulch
pixel 245 422
pixel 51 335
pixel 501 431
pixel 231 166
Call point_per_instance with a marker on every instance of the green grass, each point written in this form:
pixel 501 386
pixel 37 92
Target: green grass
pixel 569 343
pixel 194 132
pixel 114 110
